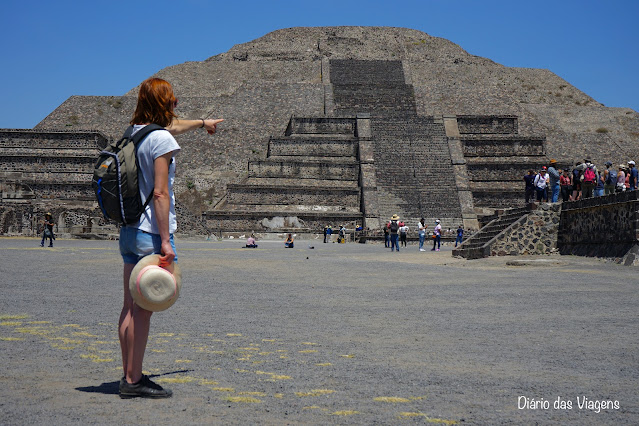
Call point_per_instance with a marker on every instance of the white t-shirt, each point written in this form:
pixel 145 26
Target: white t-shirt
pixel 155 145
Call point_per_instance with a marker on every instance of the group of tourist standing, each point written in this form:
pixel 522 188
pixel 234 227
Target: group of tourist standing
pixel 584 180
pixel 396 233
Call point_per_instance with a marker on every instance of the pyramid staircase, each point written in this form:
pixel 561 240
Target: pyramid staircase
pixel 478 245
pixel 309 179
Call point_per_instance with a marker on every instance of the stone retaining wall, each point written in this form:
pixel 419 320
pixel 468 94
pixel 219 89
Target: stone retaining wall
pixel 289 195
pixel 506 124
pixel 606 226
pixel 535 233
pixel 304 170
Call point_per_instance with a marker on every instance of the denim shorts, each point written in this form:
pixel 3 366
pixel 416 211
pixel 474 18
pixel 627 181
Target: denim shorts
pixel 135 244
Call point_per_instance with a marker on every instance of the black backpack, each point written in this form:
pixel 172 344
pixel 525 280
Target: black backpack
pixel 394 226
pixel 115 178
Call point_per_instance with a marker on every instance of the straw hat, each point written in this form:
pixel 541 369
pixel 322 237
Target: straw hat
pixel 152 287
pixel 395 217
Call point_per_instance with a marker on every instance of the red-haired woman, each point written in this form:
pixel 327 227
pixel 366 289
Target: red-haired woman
pixel 154 231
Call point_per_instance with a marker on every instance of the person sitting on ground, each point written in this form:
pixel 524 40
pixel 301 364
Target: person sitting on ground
pixel 250 242
pixel 289 241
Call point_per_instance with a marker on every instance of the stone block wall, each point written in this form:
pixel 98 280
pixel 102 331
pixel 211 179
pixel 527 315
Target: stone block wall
pixel 312 147
pixel 534 234
pixel 506 124
pixel 304 170
pixel 305 126
pixel 269 221
pixel 494 146
pixel 247 195
pixel 605 226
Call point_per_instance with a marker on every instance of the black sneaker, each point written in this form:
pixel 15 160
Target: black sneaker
pixel 145 388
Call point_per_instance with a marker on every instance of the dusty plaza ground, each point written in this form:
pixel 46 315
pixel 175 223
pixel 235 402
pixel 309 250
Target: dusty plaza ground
pixel 338 334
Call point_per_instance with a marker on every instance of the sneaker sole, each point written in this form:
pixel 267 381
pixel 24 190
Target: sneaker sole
pixel 136 395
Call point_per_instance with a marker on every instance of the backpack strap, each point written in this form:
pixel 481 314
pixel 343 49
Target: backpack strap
pixel 142 133
pixel 136 139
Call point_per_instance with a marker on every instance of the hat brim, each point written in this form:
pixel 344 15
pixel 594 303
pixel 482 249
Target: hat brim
pixel 153 288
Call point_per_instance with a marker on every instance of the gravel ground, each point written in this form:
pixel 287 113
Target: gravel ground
pixel 338 334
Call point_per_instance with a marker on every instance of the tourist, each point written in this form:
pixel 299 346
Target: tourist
pixel 393 228
pixel 553 177
pixel 576 181
pixel 342 234
pixel 565 182
pixel 250 242
pixel 403 233
pixel 632 176
pixel 621 179
pixel 153 233
pixel 421 225
pixel 599 187
pixel 541 185
pixel 47 233
pixel 325 232
pixel 588 178
pixel 460 235
pixel 529 180
pixel 437 235
pixel 610 179
pixel 386 237
pixel 289 243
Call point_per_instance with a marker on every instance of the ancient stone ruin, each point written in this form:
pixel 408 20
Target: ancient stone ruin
pixel 339 125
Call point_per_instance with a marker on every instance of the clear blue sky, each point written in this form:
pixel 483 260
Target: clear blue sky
pixel 55 49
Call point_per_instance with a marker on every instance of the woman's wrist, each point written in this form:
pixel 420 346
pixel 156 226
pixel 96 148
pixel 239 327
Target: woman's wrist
pixel 202 126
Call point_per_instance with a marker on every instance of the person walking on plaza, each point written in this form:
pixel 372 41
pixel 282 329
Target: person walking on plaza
pixel 610 179
pixel 460 235
pixel 153 233
pixel 437 233
pixel 421 225
pixel 553 178
pixel 393 228
pixel 403 233
pixel 48 230
pixel 325 232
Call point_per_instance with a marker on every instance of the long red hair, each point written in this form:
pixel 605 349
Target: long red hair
pixel 155 103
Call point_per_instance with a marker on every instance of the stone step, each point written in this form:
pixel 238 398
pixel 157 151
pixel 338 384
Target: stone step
pixel 242 194
pixel 297 147
pixel 332 127
pixel 299 181
pixel 304 170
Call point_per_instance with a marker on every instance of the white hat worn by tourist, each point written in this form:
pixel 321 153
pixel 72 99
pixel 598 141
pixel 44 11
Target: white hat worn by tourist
pixel 152 287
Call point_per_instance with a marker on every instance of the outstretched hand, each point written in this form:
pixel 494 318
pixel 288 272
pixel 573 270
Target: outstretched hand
pixel 210 124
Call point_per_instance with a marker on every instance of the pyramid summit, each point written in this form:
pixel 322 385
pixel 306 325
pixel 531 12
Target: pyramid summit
pixel 398 120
